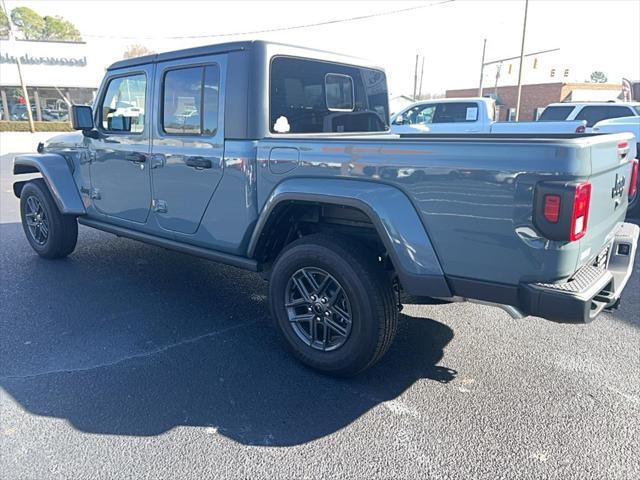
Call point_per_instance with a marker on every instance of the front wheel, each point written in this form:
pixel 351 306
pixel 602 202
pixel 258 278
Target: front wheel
pixel 334 304
pixel 50 233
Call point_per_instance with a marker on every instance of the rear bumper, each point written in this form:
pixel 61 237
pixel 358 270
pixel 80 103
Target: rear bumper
pixel 592 288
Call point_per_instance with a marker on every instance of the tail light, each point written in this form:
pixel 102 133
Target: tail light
pixel 581 129
pixel 561 210
pixel 580 214
pixel 633 185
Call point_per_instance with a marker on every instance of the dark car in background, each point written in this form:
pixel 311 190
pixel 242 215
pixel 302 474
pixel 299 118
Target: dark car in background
pixel 19 112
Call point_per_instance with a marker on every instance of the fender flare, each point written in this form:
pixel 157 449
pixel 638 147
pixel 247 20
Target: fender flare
pixel 58 177
pixel 393 216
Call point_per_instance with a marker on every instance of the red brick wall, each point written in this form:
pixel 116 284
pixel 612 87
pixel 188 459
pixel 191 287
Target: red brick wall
pixel 533 96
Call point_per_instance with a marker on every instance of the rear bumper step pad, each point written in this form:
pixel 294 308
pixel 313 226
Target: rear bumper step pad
pixel 590 290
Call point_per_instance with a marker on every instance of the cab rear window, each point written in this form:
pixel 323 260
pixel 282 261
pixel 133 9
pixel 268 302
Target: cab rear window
pixel 308 96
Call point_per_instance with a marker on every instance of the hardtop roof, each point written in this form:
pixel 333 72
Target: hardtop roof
pixel 230 47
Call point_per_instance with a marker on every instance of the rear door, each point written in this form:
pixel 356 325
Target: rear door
pixel 188 140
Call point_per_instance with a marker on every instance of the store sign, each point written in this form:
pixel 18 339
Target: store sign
pixel 27 59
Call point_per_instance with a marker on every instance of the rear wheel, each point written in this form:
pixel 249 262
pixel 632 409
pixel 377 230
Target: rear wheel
pixel 333 304
pixel 50 233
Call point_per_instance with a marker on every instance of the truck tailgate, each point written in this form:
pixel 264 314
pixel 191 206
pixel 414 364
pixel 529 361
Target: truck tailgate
pixel 611 165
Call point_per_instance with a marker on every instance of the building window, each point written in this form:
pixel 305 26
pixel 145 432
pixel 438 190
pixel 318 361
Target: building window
pixel 553 72
pixel 511 115
pixel 566 72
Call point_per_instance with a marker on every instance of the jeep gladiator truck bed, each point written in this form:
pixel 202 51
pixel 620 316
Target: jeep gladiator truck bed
pixel 278 159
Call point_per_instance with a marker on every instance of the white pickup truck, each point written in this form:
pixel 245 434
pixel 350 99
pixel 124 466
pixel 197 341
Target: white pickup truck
pixel 469 115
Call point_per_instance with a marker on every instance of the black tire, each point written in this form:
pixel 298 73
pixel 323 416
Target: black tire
pixel 62 230
pixel 374 312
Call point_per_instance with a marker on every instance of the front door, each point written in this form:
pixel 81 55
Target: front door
pixel 188 141
pixel 120 179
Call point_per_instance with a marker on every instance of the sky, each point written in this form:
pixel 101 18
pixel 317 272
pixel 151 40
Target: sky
pixel 591 34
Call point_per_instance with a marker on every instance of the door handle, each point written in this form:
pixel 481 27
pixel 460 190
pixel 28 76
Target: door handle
pixel 198 162
pixel 136 157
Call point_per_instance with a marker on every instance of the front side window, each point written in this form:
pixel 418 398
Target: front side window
pixel 122 108
pixel 419 115
pixel 309 96
pixel 190 101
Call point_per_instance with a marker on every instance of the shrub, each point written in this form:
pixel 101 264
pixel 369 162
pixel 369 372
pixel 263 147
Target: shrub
pixel 13 126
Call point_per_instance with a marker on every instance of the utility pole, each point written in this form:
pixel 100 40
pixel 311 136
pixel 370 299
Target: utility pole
pixel 495 88
pixel 484 49
pixel 421 77
pixel 524 34
pixel 12 38
pixel 415 78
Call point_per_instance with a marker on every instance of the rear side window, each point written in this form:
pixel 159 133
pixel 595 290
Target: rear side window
pixel 456 112
pixel 594 113
pixel 308 96
pixel 122 108
pixel 190 101
pixel 555 113
pixel 617 111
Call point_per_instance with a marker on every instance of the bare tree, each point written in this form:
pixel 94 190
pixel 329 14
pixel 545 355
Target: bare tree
pixel 137 51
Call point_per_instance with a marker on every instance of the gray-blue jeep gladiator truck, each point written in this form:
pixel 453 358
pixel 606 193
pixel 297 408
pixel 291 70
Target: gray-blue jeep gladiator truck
pixel 279 159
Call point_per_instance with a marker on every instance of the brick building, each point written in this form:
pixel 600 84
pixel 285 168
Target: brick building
pixel 537 96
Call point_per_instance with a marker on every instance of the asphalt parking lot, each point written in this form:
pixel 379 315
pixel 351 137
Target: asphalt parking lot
pixel 128 361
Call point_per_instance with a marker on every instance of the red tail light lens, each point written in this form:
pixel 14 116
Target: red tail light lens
pixel 580 214
pixel 552 208
pixel 581 129
pixel 633 185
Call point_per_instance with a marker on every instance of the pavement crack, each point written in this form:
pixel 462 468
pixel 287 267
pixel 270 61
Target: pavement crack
pixel 136 356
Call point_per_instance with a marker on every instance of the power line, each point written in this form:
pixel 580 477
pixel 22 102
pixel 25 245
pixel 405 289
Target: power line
pixel 276 29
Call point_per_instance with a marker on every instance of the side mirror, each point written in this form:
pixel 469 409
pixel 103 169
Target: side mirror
pixel 81 117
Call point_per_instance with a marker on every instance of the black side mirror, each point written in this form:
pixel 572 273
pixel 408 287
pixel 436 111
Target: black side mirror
pixel 81 117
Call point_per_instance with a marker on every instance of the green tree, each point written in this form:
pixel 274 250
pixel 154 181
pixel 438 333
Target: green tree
pixel 4 25
pixel 30 23
pixel 57 28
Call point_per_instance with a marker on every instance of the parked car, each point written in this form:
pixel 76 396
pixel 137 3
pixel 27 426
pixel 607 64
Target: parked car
pixel 625 125
pixel 285 175
pixel 19 112
pixel 592 113
pixel 468 115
